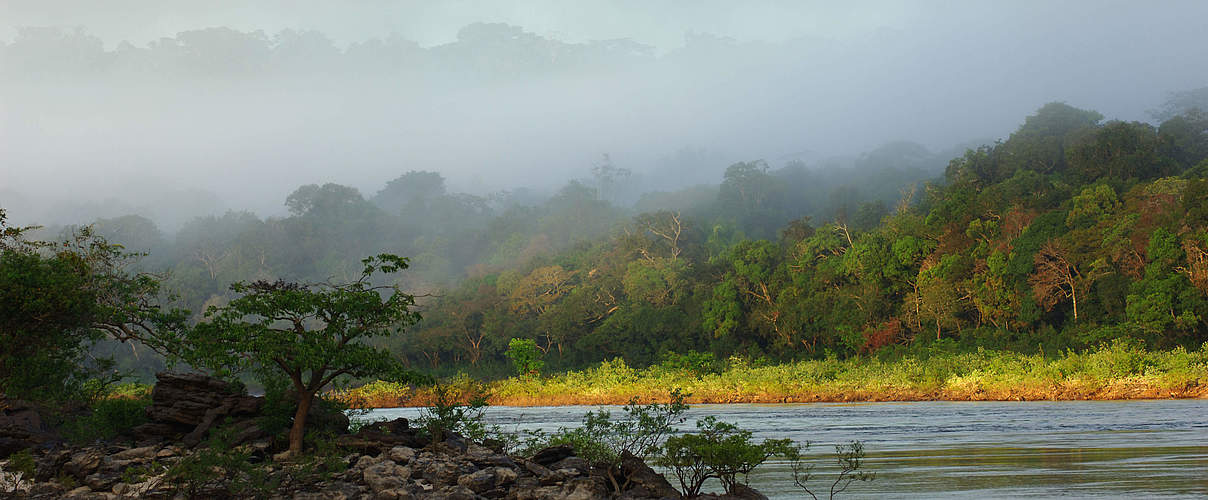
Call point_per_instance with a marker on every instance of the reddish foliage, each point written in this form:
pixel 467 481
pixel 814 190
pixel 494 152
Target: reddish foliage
pixel 888 332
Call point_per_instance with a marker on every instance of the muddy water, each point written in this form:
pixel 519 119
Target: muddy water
pixel 1078 449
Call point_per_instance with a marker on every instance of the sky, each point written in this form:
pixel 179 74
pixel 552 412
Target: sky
pixel 151 126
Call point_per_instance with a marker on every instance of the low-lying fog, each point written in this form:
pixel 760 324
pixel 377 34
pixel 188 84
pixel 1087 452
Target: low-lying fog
pixel 172 110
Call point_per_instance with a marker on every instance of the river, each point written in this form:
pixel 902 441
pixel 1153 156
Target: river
pixel 1079 449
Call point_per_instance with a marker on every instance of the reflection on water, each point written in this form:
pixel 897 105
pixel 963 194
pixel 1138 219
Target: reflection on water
pixel 1144 449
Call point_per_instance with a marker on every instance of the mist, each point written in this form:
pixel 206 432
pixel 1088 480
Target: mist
pixel 172 109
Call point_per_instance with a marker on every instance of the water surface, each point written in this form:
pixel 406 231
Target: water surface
pixel 1073 449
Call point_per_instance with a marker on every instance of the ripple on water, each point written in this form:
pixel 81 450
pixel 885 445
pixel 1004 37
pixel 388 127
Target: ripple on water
pixel 1040 449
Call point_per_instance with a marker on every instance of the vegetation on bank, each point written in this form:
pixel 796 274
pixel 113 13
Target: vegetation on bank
pixel 1119 370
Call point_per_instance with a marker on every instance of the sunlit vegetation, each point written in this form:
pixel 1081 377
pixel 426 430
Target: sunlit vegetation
pixel 1120 370
pixel 1071 234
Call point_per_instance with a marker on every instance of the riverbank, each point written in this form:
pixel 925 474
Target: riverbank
pixel 1117 371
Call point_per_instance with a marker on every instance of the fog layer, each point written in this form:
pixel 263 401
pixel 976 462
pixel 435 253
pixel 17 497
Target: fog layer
pixel 172 111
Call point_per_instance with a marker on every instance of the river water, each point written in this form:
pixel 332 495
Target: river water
pixel 1073 449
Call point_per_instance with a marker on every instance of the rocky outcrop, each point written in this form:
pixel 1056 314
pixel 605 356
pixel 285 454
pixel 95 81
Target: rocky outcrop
pixel 451 469
pixel 386 460
pixel 186 406
pixel 21 426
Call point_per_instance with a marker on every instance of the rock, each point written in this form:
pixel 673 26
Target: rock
pixel 84 463
pixel 21 426
pixel 334 491
pixel 505 475
pixel 401 454
pixel 578 465
pixel 192 404
pixel 585 488
pixel 644 480
pixel 386 476
pixel 455 492
pixel 144 452
pixel 323 418
pixel 553 454
pixel 743 492
pixel 442 473
pixel 479 481
pixel 365 461
pixel 82 490
pixel 102 481
pixel 397 494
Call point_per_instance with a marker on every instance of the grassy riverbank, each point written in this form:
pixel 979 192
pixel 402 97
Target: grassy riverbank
pixel 1117 371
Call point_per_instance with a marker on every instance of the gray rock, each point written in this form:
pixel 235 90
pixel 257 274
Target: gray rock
pixel 102 481
pixel 644 480
pixel 479 481
pixel 443 473
pixel 505 475
pixel 135 453
pixel 577 465
pixel 401 454
pixel 585 488
pixel 84 463
pixel 386 476
pixel 553 454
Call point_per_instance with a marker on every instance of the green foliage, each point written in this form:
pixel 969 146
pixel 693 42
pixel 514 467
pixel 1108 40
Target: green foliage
pixel 215 463
pixel 22 462
pixel 448 415
pixel 717 450
pixel 312 334
pixel 604 440
pixel 849 458
pixel 696 363
pixel 526 358
pixel 106 419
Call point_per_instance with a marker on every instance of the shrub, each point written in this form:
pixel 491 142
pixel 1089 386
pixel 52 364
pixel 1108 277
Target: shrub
pixel 696 363
pixel 719 450
pixel 449 415
pixel 107 419
pixel 850 458
pixel 640 432
pixel 525 356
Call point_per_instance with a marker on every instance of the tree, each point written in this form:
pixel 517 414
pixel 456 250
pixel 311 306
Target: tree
pixel 525 357
pixel 56 300
pixel 311 333
pixel 1058 276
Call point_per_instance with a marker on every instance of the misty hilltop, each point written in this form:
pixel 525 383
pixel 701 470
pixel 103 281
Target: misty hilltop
pixel 171 110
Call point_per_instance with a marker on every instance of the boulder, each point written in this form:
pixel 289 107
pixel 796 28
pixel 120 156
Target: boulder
pixel 386 476
pixel 553 454
pixel 191 404
pixel 644 481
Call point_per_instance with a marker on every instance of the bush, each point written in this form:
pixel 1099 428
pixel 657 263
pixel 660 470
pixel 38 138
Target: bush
pixel 603 440
pixel 719 450
pixel 525 357
pixel 693 362
pixel 850 458
pixel 107 419
pixel 449 415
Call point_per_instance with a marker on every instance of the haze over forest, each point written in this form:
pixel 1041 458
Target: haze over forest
pixel 174 109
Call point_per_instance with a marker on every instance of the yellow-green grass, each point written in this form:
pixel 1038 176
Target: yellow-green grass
pixel 1117 371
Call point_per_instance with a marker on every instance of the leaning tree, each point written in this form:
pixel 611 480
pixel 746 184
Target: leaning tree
pixel 311 333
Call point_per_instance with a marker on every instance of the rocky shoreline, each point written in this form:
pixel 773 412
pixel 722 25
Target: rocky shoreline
pixel 173 456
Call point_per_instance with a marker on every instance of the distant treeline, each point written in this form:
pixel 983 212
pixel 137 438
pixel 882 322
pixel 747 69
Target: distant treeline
pixel 485 255
pixel 1070 233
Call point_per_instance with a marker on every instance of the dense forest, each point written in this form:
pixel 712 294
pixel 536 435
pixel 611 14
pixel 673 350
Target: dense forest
pixel 1069 233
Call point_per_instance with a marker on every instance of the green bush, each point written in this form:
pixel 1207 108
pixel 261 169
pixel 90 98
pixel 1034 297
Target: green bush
pixel 718 450
pixel 448 415
pixel 604 440
pixel 107 419
pixel 525 356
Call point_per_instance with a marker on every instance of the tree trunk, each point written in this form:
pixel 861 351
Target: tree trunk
pixel 1074 297
pixel 298 431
